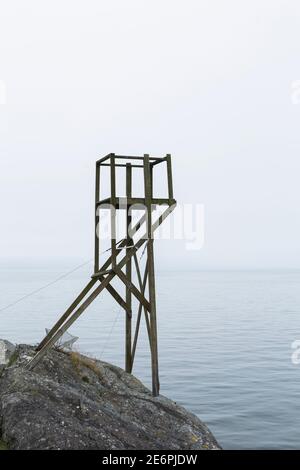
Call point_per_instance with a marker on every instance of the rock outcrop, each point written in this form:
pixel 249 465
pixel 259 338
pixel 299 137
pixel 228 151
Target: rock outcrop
pixel 7 350
pixel 70 401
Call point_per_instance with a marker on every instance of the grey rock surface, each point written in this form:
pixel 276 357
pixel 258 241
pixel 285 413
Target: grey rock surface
pixel 70 401
pixel 7 350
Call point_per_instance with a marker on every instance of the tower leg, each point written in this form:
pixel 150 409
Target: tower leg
pixel 97 218
pixel 151 276
pixel 128 325
pixel 153 322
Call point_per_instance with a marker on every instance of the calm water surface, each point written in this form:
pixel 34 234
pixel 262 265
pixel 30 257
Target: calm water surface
pixel 224 342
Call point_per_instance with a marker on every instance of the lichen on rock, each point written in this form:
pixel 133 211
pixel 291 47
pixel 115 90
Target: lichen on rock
pixel 7 350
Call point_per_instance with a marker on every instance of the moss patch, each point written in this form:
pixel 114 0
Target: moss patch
pixel 3 445
pixel 80 362
pixel 13 359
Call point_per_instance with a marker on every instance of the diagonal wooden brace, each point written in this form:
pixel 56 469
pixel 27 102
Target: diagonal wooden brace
pixel 83 293
pixel 64 322
pixel 139 295
pixel 67 313
pixel 143 288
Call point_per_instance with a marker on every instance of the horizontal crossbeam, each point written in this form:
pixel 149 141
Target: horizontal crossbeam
pixel 123 202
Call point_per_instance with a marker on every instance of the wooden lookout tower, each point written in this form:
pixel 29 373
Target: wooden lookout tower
pixel 123 256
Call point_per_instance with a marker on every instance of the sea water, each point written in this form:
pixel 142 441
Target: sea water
pixel 225 342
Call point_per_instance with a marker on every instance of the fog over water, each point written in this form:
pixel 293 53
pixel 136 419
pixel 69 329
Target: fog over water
pixel 217 85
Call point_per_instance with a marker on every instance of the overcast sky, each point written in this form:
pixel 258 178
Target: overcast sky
pixel 210 82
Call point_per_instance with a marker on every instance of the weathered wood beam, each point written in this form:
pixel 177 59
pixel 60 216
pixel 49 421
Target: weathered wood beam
pixel 67 313
pixel 122 165
pixel 113 211
pixel 135 291
pixel 130 157
pixel 68 319
pixel 143 288
pixel 123 203
pixel 170 179
pixel 151 276
pixel 128 326
pixel 97 218
pixel 117 297
pixel 123 243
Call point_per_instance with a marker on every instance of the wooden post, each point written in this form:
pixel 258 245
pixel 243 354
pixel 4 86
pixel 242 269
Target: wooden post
pixel 128 326
pixel 97 218
pixel 151 277
pixel 170 180
pixel 113 210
